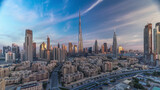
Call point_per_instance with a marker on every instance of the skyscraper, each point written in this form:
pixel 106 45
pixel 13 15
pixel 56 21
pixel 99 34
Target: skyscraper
pixel 64 47
pixel 64 50
pixel 48 48
pixel 114 45
pixel 157 40
pixel 85 50
pixel 55 53
pixel 59 54
pixel 28 45
pixel 48 43
pixel 148 42
pixel 102 49
pixel 0 53
pixel 58 45
pixel 105 48
pixel 10 57
pixel 120 48
pixel 80 40
pixel 43 50
pixel 34 50
pixel 96 47
pixel 75 49
pixel 89 49
pixel 6 49
pixel 70 47
pixel 110 49
pixel 22 55
pixel 15 49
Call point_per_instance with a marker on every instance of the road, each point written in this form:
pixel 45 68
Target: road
pixel 11 87
pixel 95 82
pixel 54 79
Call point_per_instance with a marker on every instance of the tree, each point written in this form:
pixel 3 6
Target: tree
pixel 120 65
pixel 115 68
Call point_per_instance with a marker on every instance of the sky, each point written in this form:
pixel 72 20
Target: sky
pixel 59 20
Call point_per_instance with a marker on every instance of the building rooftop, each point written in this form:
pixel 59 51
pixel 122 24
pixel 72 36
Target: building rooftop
pixel 28 85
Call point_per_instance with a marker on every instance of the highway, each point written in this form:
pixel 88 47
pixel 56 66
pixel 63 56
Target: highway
pixel 95 83
pixel 54 79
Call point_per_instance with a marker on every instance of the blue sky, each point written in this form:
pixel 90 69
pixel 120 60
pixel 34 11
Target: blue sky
pixel 59 20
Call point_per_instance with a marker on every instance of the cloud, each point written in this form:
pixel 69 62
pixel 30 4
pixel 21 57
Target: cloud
pixel 19 13
pixel 67 27
pixel 137 13
pixel 92 6
pixel 129 27
pixel 75 15
pixel 157 3
pixel 54 20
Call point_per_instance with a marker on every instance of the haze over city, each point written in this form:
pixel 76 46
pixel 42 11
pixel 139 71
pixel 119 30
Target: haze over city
pixel 79 44
pixel 59 20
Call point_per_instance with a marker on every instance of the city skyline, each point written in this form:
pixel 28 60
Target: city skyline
pixel 80 45
pixel 66 25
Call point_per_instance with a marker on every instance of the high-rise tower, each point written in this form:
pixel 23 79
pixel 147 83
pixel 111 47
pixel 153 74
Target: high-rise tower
pixel 114 45
pixel 80 40
pixel 34 50
pixel 157 40
pixel 28 45
pixel 96 47
pixel 15 49
pixel 48 43
pixel 148 42
pixel 105 48
pixel 70 47
pixel 58 45
pixel 43 49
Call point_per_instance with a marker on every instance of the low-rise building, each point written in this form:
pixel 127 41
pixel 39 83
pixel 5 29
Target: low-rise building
pixel 132 60
pixel 12 80
pixel 107 66
pixel 68 78
pixel 68 68
pixel 2 84
pixel 22 73
pixel 4 72
pixel 37 76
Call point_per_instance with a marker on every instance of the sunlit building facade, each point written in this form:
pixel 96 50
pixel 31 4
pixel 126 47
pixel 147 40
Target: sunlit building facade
pixel 120 49
pixel 48 43
pixel 75 49
pixel 70 47
pixel 43 49
pixel 102 49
